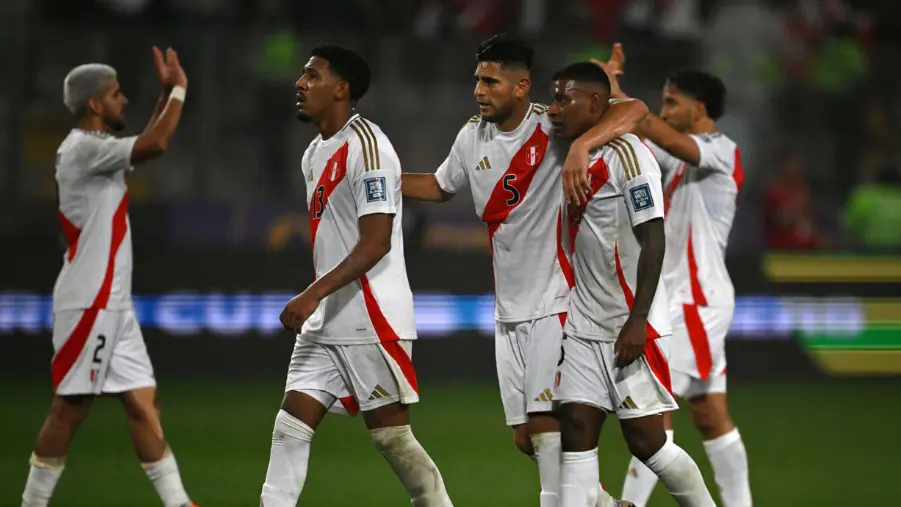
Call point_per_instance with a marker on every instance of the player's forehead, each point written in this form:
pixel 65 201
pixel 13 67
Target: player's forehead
pixel 672 92
pixel 317 64
pixel 112 85
pixel 563 87
pixel 489 69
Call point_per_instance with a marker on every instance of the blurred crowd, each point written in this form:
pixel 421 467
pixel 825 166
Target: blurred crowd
pixel 811 96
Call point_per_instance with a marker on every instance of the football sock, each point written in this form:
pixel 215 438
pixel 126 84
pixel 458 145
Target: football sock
pixel 288 460
pixel 412 465
pixel 167 481
pixel 640 480
pixel 579 479
pixel 730 468
pixel 42 478
pixel 547 455
pixel 681 476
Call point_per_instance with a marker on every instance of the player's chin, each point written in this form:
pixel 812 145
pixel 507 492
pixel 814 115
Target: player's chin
pixel 304 117
pixel 562 133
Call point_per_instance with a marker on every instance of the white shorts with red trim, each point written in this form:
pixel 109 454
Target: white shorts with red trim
pixel 526 354
pixel 99 352
pixel 588 375
pixel 687 387
pixel 361 377
pixel 699 340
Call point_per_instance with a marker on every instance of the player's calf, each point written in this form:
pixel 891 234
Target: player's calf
pixel 159 464
pixel 49 457
pixel 724 447
pixel 647 441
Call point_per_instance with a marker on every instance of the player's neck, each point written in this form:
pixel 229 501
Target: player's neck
pixel 333 124
pixel 520 110
pixel 705 126
pixel 92 124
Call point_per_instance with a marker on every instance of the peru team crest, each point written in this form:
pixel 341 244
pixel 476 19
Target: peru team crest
pixel 532 156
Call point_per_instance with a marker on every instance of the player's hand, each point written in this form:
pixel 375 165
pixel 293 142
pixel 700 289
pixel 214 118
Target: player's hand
pixel 176 72
pixel 162 70
pixel 298 310
pixel 629 345
pixel 576 186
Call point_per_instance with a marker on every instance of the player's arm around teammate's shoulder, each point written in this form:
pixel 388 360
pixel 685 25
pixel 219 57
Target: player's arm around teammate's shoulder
pixel 638 175
pixel 376 185
pixel 448 179
pixel 154 141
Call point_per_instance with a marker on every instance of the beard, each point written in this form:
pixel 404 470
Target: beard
pixel 115 124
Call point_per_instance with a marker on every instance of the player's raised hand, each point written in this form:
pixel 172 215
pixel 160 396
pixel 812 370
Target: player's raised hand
pixel 162 70
pixel 575 175
pixel 629 345
pixel 298 310
pixel 176 72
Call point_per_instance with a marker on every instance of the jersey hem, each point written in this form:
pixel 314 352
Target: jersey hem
pixel 604 338
pixel 371 340
pixel 542 315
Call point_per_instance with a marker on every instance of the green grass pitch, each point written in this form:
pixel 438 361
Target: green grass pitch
pixel 810 445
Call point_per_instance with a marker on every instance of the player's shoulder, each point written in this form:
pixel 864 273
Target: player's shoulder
pixel 80 145
pixel 628 155
pixel 716 140
pixel 366 138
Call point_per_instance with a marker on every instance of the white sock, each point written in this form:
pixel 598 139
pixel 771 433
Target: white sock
pixel 288 461
pixel 412 465
pixel 167 481
pixel 681 476
pixel 579 479
pixel 42 478
pixel 640 480
pixel 547 455
pixel 730 468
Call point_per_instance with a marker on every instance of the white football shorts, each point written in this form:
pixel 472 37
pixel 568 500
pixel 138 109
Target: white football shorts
pixel 361 377
pixel 99 352
pixel 526 355
pixel 588 375
pixel 698 359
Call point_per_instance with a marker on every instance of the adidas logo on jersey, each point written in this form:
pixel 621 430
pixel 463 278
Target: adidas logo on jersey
pixel 484 165
pixel 378 393
pixel 545 395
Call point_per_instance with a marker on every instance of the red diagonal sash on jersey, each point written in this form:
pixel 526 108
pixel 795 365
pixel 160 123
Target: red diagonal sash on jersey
pixel 671 188
pixel 387 336
pixel 335 170
pixel 72 234
pixel 738 171
pixel 598 175
pixel 627 291
pixel 511 188
pixel 68 354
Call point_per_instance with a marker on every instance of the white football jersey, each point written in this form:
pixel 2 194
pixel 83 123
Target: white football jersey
pixel 93 211
pixel 354 173
pixel 625 192
pixel 516 186
pixel 700 207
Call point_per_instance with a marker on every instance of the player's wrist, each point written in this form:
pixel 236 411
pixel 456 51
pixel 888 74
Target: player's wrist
pixel 178 93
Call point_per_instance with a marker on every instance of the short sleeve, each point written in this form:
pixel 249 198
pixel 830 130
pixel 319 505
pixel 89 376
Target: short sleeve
pixel 374 169
pixel 638 176
pixel 110 155
pixel 451 175
pixel 718 152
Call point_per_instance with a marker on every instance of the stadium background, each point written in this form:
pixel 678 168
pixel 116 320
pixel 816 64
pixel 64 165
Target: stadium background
pixel 220 234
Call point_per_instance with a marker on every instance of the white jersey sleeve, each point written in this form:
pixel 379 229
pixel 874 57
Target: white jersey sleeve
pixel 451 175
pixel 637 173
pixel 667 162
pixel 374 172
pixel 107 155
pixel 717 152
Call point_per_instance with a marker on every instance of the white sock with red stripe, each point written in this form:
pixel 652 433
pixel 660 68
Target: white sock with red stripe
pixel 640 480
pixel 547 456
pixel 729 460
pixel 42 479
pixel 681 476
pixel 167 481
pixel 288 461
pixel 412 465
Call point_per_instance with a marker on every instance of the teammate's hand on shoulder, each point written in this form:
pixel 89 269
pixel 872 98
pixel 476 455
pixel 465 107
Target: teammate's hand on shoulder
pixel 298 310
pixel 575 174
pixel 629 345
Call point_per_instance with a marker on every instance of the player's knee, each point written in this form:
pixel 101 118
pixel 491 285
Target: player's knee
pixel 711 417
pixel 70 410
pixel 522 440
pixel 644 437
pixel 142 412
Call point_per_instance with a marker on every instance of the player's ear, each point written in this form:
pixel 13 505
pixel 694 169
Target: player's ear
pixel 93 105
pixel 698 110
pixel 522 88
pixel 342 90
